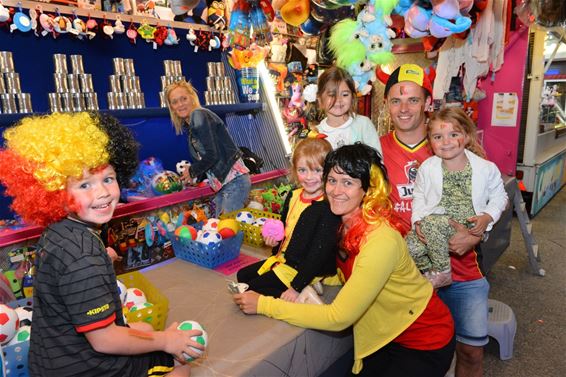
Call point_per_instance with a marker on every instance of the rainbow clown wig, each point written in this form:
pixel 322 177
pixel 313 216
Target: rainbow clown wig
pixel 41 153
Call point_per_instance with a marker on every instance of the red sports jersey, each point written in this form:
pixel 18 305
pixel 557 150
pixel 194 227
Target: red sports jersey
pixel 402 162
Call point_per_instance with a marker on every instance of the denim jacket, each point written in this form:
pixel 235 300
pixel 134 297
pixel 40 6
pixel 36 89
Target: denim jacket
pixel 210 145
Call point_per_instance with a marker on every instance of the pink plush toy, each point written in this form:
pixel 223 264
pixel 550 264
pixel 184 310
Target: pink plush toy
pixel 273 228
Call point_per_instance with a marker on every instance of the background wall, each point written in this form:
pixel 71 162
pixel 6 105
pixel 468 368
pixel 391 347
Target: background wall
pixel 501 143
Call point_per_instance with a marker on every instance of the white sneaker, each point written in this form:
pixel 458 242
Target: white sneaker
pixel 308 296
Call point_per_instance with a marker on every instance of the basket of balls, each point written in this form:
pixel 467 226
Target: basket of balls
pixel 207 245
pixel 250 221
pixel 15 331
pixel 142 302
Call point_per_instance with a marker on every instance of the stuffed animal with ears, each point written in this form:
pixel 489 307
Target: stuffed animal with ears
pixel 359 46
pixel 439 18
pixel 278 49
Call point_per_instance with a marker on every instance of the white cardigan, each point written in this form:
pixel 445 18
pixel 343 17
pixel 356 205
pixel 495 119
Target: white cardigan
pixel 488 191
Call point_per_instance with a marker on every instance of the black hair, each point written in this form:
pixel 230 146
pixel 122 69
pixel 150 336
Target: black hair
pixel 122 147
pixel 354 160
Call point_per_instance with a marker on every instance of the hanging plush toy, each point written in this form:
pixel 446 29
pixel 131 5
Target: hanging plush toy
pixel 216 14
pixel 295 12
pixel 362 44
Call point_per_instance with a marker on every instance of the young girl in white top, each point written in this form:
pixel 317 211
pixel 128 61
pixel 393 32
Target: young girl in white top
pixel 336 96
pixel 457 183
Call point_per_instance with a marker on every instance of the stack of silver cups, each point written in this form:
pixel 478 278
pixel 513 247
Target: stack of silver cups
pixel 125 90
pixel 219 89
pixel 74 90
pixel 11 96
pixel 173 74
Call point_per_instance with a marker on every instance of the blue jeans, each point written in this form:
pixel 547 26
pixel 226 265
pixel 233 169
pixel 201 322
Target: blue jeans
pixel 467 301
pixel 233 195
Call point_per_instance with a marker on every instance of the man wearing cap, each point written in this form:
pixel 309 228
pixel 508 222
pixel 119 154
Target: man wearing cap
pixel 408 93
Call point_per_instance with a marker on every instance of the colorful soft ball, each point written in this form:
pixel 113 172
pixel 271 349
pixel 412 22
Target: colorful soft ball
pixel 9 323
pixel 122 291
pixel 210 238
pixel 134 296
pixel 22 335
pixel 166 182
pixel 228 228
pixel 245 217
pixel 274 229
pixel 201 339
pixel 211 224
pixel 141 306
pixel 186 233
pixel 25 314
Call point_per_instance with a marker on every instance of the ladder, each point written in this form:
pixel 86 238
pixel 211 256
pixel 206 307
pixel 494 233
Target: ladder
pixel 526 228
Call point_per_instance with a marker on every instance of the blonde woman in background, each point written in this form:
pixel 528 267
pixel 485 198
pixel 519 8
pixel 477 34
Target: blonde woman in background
pixel 213 153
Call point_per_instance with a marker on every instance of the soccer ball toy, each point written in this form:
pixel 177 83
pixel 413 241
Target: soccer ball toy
pixel 22 335
pixel 122 291
pixel 245 217
pixel 141 306
pixel 9 323
pixel 260 221
pixel 228 228
pixel 210 238
pixel 25 314
pixel 134 296
pixel 211 224
pixel 202 339
pixel 182 166
pixel 166 183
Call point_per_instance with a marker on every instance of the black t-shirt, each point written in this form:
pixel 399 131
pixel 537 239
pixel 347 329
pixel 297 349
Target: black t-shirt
pixel 75 291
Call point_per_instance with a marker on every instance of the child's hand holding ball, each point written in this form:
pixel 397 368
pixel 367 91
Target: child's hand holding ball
pixel 186 341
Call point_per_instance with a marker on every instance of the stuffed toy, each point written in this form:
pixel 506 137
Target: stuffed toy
pixel 216 14
pixel 439 18
pixel 360 45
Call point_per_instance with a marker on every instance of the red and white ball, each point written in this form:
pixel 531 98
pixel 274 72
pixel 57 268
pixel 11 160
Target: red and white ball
pixel 134 296
pixel 9 323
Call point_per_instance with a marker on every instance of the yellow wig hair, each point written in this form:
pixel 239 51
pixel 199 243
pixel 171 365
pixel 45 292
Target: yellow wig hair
pixel 40 154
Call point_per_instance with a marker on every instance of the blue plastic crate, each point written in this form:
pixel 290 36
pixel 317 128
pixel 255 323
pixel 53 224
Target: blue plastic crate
pixel 16 356
pixel 209 256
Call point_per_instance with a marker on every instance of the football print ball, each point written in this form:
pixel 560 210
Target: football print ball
pixel 141 306
pixel 260 221
pixel 211 224
pixel 9 323
pixel 22 335
pixel 122 291
pixel 202 339
pixel 245 217
pixel 134 296
pixel 25 314
pixel 182 166
pixel 210 237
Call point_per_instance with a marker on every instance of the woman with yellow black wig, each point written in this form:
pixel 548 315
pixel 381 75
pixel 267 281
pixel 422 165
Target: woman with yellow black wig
pixel 401 327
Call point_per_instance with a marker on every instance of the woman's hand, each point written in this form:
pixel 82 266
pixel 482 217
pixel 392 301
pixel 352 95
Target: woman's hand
pixel 290 295
pixel 247 301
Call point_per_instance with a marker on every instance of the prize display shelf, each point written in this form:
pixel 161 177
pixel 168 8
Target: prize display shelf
pixel 151 112
pixel 8 237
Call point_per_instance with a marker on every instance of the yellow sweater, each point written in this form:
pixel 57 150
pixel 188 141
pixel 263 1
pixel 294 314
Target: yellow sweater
pixel 384 295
